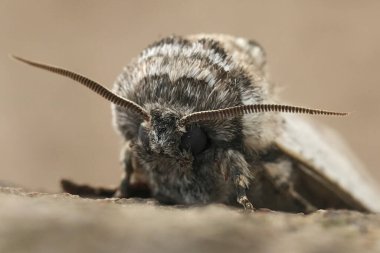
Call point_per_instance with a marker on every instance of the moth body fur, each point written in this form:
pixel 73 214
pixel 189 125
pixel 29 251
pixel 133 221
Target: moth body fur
pixel 177 76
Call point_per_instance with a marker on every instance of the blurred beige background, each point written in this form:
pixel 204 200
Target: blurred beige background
pixel 322 53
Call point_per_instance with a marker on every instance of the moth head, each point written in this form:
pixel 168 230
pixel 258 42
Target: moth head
pixel 163 135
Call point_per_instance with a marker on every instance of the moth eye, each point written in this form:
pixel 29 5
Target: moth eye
pixel 143 136
pixel 195 140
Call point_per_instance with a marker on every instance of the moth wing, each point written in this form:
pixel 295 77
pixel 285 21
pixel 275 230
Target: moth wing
pixel 325 155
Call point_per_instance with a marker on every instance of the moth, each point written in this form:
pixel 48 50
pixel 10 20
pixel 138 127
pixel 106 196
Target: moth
pixel 201 124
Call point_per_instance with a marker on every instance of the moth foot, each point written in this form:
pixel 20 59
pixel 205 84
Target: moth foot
pixel 242 198
pixel 245 203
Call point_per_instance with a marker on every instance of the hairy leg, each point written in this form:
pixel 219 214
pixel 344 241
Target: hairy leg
pixel 280 174
pixel 237 168
pixel 86 191
pixel 133 183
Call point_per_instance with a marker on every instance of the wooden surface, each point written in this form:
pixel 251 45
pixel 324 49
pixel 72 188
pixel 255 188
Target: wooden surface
pixel 36 222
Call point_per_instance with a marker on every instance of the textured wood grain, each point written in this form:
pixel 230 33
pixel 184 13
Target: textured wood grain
pixel 37 222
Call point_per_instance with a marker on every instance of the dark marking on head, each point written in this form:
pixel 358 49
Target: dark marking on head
pixel 171 40
pixel 215 46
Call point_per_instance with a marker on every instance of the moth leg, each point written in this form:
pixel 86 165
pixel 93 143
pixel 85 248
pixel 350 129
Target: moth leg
pixel 241 175
pixel 280 174
pixel 126 160
pixel 242 198
pixel 309 208
pixel 89 191
pixel 133 183
pixel 84 190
